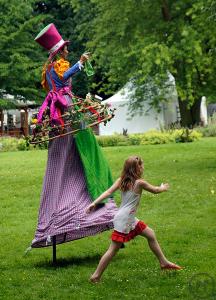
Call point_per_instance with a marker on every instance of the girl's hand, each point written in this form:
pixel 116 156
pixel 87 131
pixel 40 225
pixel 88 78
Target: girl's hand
pixel 164 186
pixel 90 208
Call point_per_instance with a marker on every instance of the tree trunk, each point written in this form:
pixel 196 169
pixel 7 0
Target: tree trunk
pixel 196 112
pixel 189 116
pixel 165 11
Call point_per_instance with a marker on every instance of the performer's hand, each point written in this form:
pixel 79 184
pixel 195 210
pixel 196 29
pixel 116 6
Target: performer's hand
pixel 84 57
pixel 90 208
pixel 164 186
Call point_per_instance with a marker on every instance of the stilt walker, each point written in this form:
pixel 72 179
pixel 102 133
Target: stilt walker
pixel 77 171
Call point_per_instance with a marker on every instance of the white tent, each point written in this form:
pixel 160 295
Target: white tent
pixel 139 123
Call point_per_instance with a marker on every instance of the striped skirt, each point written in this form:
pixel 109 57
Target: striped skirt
pixel 65 197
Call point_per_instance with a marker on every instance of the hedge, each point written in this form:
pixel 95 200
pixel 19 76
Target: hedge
pixel 152 137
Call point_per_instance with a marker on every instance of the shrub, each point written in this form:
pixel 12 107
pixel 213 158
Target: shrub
pixel 209 130
pixel 111 140
pixel 15 144
pixel 135 139
pixel 186 135
pixel 42 146
pixel 22 145
pixel 8 144
pixel 154 137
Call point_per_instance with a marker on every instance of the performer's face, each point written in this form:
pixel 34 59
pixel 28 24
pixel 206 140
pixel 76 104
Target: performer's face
pixel 65 52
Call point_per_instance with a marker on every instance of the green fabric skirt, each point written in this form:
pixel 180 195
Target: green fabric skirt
pixel 97 172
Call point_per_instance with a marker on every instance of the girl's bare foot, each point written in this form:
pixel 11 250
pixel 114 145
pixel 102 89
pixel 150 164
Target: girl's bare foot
pixel 94 279
pixel 170 266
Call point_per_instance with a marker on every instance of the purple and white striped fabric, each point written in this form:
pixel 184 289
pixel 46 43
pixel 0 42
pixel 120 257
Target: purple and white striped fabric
pixel 65 197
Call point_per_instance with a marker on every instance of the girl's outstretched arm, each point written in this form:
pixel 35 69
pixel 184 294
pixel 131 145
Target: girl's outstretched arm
pixel 152 188
pixel 104 195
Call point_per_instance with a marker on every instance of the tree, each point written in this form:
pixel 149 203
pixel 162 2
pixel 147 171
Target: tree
pixel 142 41
pixel 21 60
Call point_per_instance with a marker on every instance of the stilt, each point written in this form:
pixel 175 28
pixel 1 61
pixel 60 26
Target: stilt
pixel 54 249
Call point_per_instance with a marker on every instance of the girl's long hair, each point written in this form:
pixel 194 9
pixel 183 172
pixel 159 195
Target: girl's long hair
pixel 131 172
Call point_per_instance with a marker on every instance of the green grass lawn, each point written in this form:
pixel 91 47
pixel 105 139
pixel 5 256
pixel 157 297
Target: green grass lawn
pixel 183 219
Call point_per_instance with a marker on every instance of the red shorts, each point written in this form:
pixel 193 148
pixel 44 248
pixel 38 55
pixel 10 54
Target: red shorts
pixel 126 237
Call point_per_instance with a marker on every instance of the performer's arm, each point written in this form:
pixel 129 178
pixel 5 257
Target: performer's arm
pixel 73 70
pixel 77 67
pixel 105 195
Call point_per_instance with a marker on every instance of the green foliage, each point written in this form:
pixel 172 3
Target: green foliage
pixel 7 104
pixel 207 131
pixel 186 135
pixel 152 137
pixel 210 129
pixel 178 136
pixel 149 138
pixel 113 140
pixel 22 144
pixel 137 41
pixel 42 146
pixel 21 59
pixel 140 41
pixel 8 144
pixel 156 137
pixel 135 139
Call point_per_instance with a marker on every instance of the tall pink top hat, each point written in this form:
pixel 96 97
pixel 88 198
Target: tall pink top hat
pixel 50 39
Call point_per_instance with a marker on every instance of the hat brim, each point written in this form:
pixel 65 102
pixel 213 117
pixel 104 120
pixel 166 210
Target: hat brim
pixel 52 55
